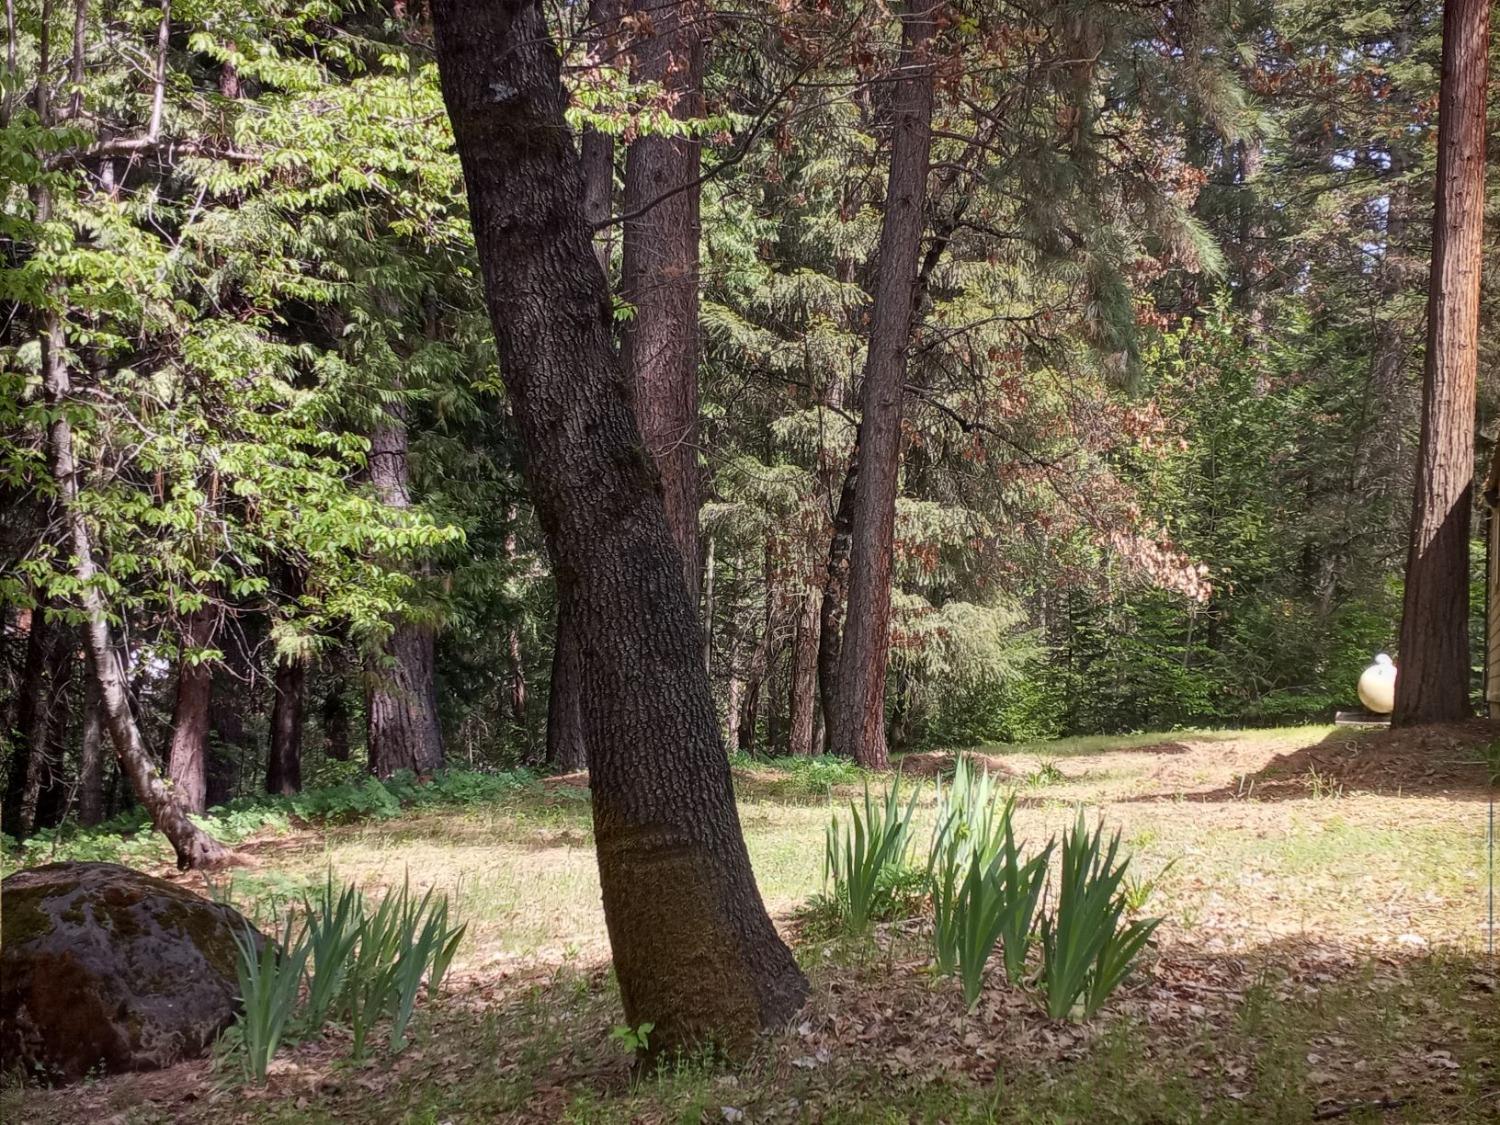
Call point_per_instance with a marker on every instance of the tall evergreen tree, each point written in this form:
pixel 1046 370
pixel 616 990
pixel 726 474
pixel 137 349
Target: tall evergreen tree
pixel 1433 684
pixel 859 719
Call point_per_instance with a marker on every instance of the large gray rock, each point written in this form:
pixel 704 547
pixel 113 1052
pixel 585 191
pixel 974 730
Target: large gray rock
pixel 106 969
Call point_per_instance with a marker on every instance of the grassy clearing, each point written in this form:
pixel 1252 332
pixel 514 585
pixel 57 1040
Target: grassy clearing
pixel 1321 955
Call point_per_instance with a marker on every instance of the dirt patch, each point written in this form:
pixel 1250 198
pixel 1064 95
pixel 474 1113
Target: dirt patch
pixel 941 763
pixel 577 780
pixel 1440 760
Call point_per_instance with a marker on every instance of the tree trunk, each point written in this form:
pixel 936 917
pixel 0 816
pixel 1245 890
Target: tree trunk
pixel 47 788
pixel 30 715
pixel 187 761
pixel 596 149
pixel 835 599
pixel 234 692
pixel 336 708
pixel 566 748
pixel 288 697
pixel 695 953
pixel 802 703
pixel 402 705
pixel 659 268
pixel 859 717
pixel 284 762
pixel 91 756
pixel 194 847
pixel 1434 682
pixel 513 643
pixel 35 778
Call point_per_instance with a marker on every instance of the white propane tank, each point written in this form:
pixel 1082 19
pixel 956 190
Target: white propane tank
pixel 1377 686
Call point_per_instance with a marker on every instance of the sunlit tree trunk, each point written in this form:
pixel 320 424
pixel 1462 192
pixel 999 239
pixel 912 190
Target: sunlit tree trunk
pixel 859 717
pixel 695 953
pixel 1433 685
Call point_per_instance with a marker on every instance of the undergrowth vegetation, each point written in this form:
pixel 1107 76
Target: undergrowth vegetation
pixel 128 838
pixel 338 960
pixel 984 893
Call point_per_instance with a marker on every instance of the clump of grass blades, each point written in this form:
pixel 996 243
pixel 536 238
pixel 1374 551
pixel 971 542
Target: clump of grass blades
pixel 1087 947
pixel 365 966
pixel 270 978
pixel 335 919
pixel 982 893
pixel 860 858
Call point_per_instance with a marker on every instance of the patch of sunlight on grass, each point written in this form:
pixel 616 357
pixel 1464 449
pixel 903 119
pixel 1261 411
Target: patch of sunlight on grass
pixel 1084 745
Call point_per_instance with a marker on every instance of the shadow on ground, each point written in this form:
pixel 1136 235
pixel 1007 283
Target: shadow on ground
pixel 1293 1030
pixel 1433 761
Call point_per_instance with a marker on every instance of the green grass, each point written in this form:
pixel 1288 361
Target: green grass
pixel 1279 947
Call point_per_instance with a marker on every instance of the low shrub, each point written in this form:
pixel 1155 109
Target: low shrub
pixel 359 965
pixel 1087 946
pixel 127 838
pixel 862 859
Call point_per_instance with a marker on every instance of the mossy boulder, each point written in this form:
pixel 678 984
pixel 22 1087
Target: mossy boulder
pixel 106 969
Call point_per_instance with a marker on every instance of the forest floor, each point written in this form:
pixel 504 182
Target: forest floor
pixel 1322 958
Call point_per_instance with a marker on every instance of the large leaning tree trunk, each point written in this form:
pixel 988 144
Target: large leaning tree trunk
pixel 194 847
pixel 404 733
pixel 859 714
pixel 695 953
pixel 187 758
pixel 1434 682
pixel 659 267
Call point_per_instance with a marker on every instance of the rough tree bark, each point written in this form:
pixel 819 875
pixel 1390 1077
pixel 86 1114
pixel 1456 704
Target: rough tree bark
pixel 1433 685
pixel 402 701
pixel 566 749
pixel 859 715
pixel 694 950
pixel 659 267
pixel 187 760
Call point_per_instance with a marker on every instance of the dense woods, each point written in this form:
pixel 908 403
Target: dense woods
pixel 1145 460
pixel 394 386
